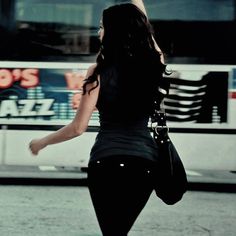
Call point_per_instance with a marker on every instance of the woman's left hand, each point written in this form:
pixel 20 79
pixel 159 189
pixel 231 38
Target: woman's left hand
pixel 36 145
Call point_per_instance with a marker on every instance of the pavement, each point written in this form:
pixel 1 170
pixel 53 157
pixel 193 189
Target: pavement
pixel 204 180
pixel 68 210
pixel 48 201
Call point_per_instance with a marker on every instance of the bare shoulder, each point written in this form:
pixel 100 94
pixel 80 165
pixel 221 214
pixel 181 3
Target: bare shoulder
pixel 91 69
pixel 90 72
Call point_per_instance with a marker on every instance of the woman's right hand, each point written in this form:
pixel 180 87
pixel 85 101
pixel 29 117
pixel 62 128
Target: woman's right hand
pixel 36 145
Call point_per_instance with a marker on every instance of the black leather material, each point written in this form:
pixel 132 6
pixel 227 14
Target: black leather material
pixel 170 180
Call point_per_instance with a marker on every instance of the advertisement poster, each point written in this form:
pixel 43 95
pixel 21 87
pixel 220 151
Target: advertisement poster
pixel 198 97
pixel 40 94
pixel 198 94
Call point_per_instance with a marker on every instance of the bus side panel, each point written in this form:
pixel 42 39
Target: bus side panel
pixel 71 153
pixel 1 146
pixel 206 151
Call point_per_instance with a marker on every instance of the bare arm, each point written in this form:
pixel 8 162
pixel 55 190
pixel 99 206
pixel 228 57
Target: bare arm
pixel 159 50
pixel 140 5
pixel 76 127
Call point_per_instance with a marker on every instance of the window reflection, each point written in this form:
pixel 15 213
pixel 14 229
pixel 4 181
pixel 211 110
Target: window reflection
pixel 188 31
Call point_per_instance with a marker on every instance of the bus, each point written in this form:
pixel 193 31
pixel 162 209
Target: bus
pixel 47 46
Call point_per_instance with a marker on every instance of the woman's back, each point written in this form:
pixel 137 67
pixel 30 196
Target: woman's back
pixel 127 90
pixel 125 103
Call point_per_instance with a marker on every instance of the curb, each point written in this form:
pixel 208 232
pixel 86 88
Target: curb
pixel 83 182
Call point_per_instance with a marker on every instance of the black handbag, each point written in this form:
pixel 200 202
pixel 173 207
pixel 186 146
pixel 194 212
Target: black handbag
pixel 170 181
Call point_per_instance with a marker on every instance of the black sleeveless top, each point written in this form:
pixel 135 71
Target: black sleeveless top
pixel 123 122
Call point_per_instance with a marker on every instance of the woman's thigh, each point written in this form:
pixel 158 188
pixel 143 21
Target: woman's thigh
pixel 119 188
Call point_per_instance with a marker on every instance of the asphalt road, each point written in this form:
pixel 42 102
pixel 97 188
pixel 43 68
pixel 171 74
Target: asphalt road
pixel 67 211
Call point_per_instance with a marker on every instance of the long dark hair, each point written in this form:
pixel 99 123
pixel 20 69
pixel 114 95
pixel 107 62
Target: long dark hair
pixel 127 41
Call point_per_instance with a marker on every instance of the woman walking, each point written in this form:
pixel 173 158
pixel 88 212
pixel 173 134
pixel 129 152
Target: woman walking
pixel 123 85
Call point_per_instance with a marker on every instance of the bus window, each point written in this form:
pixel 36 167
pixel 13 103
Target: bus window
pixel 195 31
pixel 50 30
pixel 191 10
pixel 188 31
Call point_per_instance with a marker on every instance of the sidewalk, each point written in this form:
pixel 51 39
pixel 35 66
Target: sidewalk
pixel 206 180
pixel 68 210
